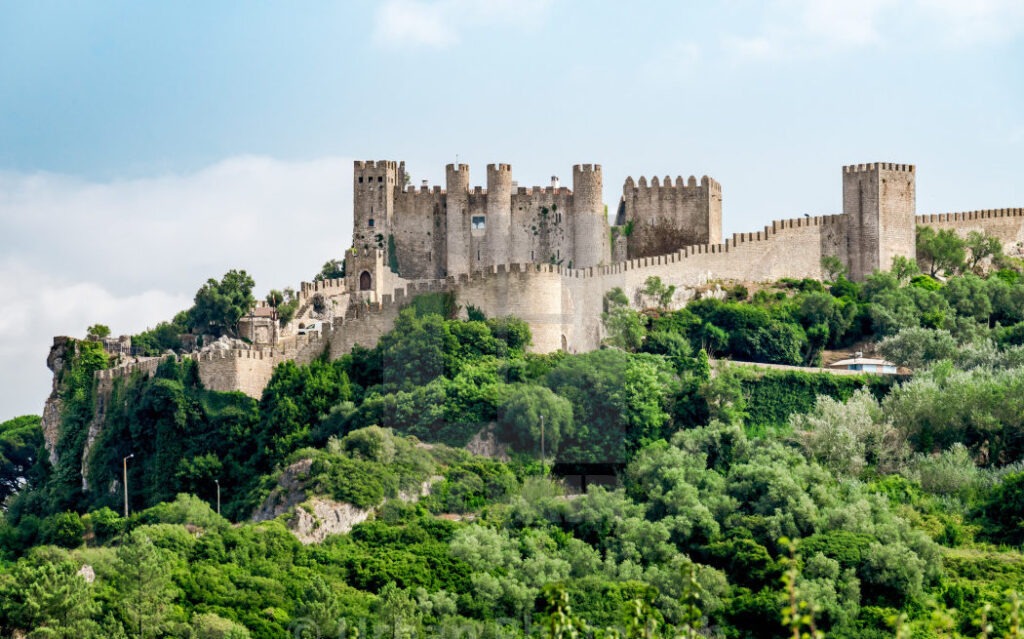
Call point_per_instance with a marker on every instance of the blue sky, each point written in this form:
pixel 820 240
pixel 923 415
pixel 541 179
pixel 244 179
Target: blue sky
pixel 147 146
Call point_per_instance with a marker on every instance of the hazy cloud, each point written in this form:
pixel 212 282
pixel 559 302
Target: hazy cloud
pixel 793 28
pixel 131 253
pixel 440 23
pixel 966 23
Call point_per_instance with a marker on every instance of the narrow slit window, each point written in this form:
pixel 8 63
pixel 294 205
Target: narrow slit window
pixel 370 224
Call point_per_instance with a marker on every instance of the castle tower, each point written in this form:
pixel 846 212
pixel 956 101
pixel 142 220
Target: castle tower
pixel 662 217
pixel 589 223
pixel 879 204
pixel 373 203
pixel 499 212
pixel 457 216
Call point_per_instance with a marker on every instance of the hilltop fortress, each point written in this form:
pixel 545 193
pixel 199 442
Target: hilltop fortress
pixel 548 255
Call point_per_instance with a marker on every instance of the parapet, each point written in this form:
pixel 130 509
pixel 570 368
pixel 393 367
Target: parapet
pixel 586 168
pixel 457 178
pixel 631 186
pixel 967 216
pixel 878 166
pixel 496 168
pixel 362 165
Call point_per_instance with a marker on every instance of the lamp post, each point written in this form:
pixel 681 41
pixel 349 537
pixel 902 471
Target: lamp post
pixel 217 481
pixel 124 466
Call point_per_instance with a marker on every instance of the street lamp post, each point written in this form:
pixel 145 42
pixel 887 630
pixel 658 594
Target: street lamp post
pixel 217 481
pixel 124 465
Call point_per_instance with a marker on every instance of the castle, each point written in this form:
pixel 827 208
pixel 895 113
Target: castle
pixel 548 255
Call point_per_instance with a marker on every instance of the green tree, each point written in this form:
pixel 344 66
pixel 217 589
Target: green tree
pixel 1002 511
pixel 918 347
pixel 833 267
pixel 63 529
pixel 396 612
pixel 144 584
pixel 846 437
pixel 219 305
pixel 332 269
pixel 940 251
pixel 520 414
pixel 659 291
pixel 209 625
pixel 21 440
pixel 286 303
pixel 982 246
pixel 97 332
pixel 47 597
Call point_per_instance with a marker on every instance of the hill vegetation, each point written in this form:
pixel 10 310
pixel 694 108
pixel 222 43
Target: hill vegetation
pixel 741 502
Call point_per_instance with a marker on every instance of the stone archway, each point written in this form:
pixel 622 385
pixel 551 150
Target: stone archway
pixel 565 345
pixel 365 281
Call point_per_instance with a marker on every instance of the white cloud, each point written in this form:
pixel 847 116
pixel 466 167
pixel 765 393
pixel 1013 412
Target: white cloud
pixel 794 28
pixel 966 22
pixel 39 306
pixel 130 253
pixel 679 59
pixel 799 27
pixel 440 23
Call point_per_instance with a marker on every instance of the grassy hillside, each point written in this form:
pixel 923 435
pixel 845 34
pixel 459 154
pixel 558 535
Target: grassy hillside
pixel 744 504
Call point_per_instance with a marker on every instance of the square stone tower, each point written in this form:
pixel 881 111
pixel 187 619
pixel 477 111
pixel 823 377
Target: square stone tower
pixel 879 205
pixel 373 198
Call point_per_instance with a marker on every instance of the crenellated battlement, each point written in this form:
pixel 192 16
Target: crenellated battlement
pixel 420 190
pixel 967 216
pixel 375 165
pixel 541 253
pixel 878 166
pixel 631 186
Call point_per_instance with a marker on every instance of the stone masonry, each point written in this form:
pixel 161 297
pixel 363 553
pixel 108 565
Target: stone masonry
pixel 548 254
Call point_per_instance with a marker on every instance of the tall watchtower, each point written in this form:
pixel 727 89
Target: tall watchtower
pixel 499 212
pixel 373 202
pixel 879 204
pixel 457 218
pixel 590 223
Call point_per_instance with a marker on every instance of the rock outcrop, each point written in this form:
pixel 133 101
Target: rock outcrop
pixel 55 361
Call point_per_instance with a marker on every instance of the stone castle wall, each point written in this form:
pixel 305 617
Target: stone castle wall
pixel 879 203
pixel 545 229
pixel 247 371
pixel 419 232
pixel 1005 224
pixel 663 216
pixel 460 229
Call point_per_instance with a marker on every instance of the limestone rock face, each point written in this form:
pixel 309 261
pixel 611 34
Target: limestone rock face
pixel 319 517
pixel 313 519
pixel 225 343
pixel 55 361
pixel 289 492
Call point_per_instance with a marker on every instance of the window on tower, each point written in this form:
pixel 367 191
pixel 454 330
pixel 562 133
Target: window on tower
pixel 479 222
pixel 370 223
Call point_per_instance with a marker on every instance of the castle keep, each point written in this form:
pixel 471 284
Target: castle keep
pixel 548 255
pixel 430 233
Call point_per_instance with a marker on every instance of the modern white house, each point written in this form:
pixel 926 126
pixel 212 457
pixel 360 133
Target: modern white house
pixel 865 364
